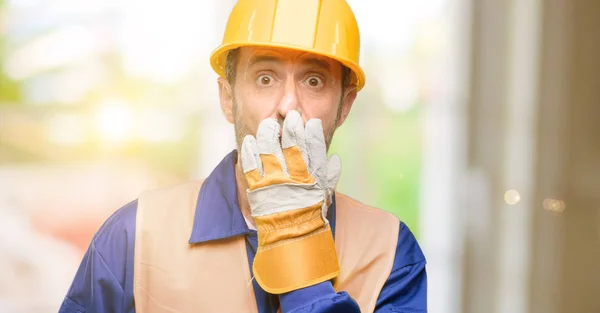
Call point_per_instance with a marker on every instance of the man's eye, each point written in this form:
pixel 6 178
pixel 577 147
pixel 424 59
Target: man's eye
pixel 314 81
pixel 265 80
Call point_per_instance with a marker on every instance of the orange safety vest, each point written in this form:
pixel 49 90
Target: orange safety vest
pixel 171 275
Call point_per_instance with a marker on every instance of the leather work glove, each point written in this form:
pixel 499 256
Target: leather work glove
pixel 289 192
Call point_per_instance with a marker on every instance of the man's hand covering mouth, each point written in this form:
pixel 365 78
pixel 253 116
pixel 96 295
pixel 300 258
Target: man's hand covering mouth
pixel 290 184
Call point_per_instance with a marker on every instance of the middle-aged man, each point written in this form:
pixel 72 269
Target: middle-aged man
pixel 265 231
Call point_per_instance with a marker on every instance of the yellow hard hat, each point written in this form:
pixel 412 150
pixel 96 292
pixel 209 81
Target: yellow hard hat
pixel 324 27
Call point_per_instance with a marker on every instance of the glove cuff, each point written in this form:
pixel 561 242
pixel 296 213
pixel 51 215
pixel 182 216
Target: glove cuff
pixel 296 250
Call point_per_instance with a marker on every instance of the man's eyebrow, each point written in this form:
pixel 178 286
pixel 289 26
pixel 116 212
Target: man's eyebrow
pixel 318 63
pixel 264 58
pixel 323 64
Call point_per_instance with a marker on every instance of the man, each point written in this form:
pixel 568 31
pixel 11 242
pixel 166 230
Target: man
pixel 266 231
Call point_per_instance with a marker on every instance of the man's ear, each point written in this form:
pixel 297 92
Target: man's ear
pixel 226 98
pixel 350 94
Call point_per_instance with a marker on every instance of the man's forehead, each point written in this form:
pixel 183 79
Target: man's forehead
pixel 253 55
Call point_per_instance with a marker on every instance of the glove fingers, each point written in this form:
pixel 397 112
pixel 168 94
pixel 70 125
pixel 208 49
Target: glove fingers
pixel 334 170
pixel 293 143
pixel 293 133
pixel 267 140
pixel 317 151
pixel 251 163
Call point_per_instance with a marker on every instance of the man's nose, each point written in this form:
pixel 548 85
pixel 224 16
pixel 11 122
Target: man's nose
pixel 289 101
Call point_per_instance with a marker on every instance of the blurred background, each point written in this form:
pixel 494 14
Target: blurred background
pixel 479 127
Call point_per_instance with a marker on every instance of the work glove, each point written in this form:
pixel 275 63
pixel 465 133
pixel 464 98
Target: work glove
pixel 290 186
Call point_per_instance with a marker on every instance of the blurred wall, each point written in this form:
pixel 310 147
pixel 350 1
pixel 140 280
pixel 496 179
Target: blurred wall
pixel 579 278
pixel 534 135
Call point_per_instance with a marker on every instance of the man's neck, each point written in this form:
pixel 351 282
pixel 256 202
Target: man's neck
pixel 242 185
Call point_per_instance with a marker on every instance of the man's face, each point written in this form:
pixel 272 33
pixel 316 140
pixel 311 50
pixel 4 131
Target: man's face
pixel 271 81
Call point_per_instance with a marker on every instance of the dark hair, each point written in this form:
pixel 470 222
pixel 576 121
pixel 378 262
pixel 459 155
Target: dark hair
pixel 232 61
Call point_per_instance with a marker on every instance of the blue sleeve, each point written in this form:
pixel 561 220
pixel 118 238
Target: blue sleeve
pixel 104 280
pixel 405 290
pixel 318 298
